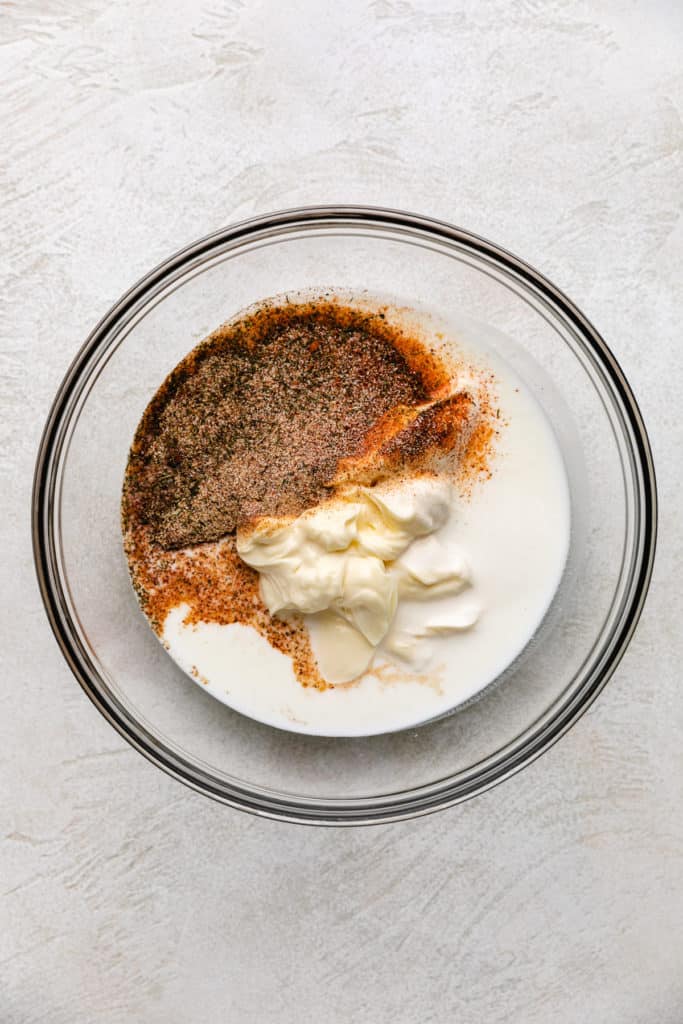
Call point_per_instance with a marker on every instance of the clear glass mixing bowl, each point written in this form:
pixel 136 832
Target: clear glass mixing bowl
pixel 476 286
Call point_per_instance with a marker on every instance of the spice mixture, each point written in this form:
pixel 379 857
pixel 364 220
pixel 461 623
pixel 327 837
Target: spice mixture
pixel 265 418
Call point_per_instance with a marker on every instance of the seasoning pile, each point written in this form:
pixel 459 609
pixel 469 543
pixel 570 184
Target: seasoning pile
pixel 268 417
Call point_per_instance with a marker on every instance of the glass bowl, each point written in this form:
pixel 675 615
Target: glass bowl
pixel 481 290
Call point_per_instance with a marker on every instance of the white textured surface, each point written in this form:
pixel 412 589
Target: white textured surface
pixel 128 130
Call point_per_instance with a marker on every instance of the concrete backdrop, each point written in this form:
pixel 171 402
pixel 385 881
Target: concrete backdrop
pixel 131 128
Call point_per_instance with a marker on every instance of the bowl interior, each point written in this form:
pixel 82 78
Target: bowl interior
pixel 479 294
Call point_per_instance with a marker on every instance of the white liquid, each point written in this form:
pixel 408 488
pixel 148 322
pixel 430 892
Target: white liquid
pixel 514 531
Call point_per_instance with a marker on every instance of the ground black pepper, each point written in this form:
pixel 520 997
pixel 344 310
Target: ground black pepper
pixel 256 420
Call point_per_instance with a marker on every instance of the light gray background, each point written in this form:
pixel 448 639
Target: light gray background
pixel 131 128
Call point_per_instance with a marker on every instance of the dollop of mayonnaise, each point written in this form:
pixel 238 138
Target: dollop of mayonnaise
pixel 348 563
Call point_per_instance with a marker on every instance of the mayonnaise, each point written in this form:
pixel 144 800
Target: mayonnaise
pixel 346 564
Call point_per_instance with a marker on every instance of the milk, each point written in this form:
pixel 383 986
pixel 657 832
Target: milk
pixel 514 531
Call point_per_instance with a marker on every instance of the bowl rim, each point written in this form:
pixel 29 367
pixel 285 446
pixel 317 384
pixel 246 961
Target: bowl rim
pixel 343 811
